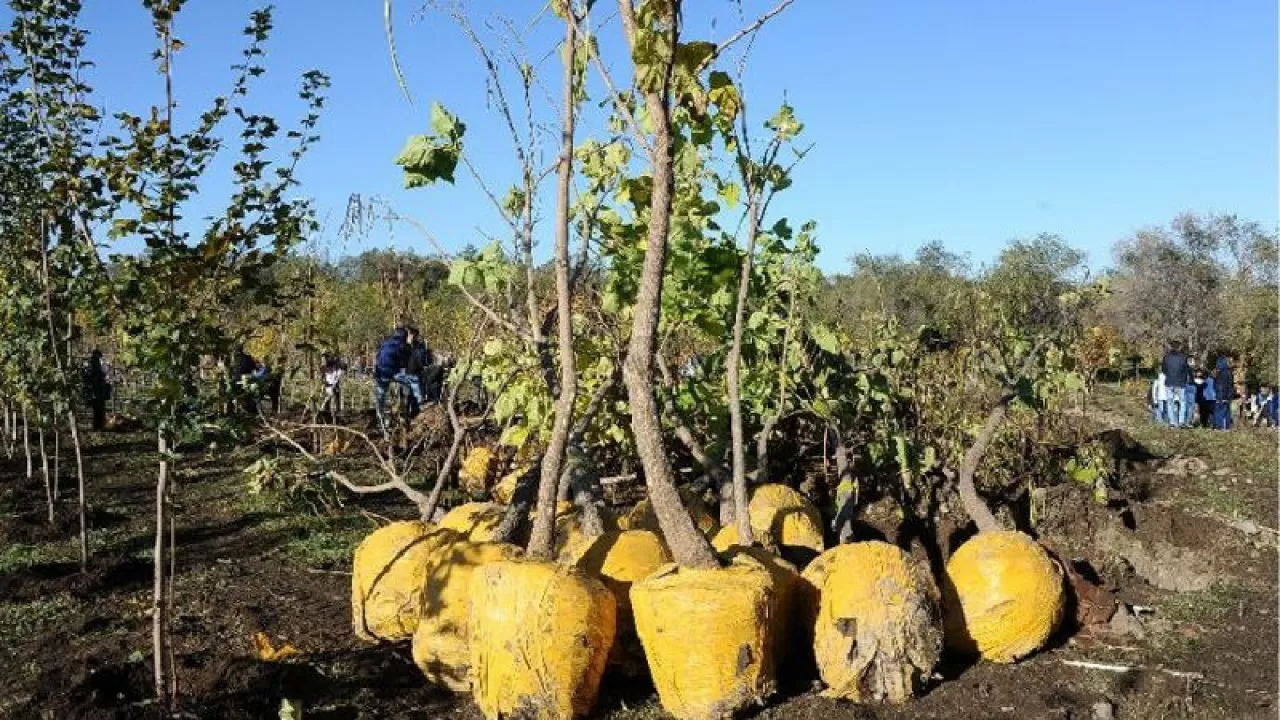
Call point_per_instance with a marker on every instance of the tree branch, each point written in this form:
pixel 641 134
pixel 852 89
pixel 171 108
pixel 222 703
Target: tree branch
pixel 973 503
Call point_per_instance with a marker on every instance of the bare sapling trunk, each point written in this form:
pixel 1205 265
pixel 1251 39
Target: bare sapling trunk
pixel 57 464
pixel 733 369
pixel 160 655
pixel 81 501
pixel 542 539
pixel 688 546
pixel 44 471
pixel 26 443
pixel 974 505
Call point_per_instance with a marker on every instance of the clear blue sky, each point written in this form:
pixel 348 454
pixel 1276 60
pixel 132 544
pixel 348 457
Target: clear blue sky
pixel 967 122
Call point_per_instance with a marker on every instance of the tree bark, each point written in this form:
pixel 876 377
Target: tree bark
pixel 688 546
pixel 26 443
pixel 976 508
pixel 733 378
pixel 57 464
pixel 44 471
pixel 81 501
pixel 542 540
pixel 159 605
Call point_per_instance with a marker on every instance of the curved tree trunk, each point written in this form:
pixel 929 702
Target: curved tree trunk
pixel 688 546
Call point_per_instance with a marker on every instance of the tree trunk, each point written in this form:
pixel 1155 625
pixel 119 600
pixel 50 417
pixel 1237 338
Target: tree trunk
pixel 57 463
pixel 26 443
pixel 159 605
pixel 688 546
pixel 44 471
pixel 542 540
pixel 733 369
pixel 81 501
pixel 762 448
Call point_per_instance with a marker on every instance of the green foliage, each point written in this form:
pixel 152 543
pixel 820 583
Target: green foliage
pixel 427 159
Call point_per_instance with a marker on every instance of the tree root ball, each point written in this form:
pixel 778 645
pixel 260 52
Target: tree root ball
pixel 540 638
pixel 619 559
pixel 875 620
pixel 1004 597
pixel 441 643
pixel 791 521
pixel 643 517
pixel 387 577
pixel 478 521
pixel 707 636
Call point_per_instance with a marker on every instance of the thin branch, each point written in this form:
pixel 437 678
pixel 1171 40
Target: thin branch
pixel 476 302
pixel 391 47
pixel 748 30
pixel 620 106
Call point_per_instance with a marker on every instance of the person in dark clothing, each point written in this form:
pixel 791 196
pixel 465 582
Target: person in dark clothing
pixel 390 366
pixel 1177 374
pixel 242 379
pixel 416 365
pixel 96 389
pixel 1224 388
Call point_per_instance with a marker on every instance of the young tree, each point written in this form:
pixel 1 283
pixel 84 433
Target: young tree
pixel 168 295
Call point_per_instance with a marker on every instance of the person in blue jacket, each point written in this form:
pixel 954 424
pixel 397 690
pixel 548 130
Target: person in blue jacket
pixel 1224 388
pixel 390 366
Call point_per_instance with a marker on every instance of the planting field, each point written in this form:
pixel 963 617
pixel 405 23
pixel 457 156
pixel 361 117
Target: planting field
pixel 76 645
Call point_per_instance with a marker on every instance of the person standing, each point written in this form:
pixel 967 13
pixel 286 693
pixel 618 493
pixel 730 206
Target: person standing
pixel 1176 376
pixel 1189 395
pixel 96 389
pixel 415 372
pixel 1205 399
pixel 1224 387
pixel 331 372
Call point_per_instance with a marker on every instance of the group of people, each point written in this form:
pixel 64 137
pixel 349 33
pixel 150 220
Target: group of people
pixel 1184 395
pixel 403 359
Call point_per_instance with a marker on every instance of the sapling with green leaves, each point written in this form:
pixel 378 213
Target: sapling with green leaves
pixel 168 295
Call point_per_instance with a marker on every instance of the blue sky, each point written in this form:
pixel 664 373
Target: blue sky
pixel 967 122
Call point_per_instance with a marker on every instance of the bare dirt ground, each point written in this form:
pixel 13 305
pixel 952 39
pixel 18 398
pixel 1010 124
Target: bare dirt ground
pixel 1194 551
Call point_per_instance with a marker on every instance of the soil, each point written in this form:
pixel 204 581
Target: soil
pixel 76 644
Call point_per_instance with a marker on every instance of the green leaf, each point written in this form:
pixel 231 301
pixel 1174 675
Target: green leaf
pixel 445 123
pixel 825 338
pixel 784 123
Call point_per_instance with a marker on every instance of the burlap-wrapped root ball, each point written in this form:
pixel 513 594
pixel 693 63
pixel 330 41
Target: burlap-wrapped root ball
pixel 790 519
pixel 540 637
pixel 476 467
pixel 387 577
pixel 478 521
pixel 707 636
pixel 782 520
pixel 619 559
pixel 876 622
pixel 783 615
pixel 1004 596
pixel 441 647
pixel 643 517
